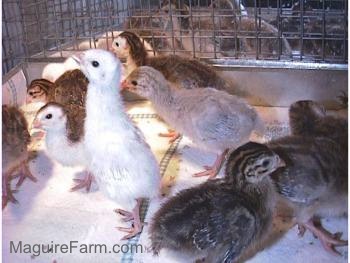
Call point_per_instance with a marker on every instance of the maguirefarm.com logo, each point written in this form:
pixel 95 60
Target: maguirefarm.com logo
pixel 74 247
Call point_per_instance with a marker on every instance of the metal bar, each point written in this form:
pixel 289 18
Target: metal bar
pixel 266 64
pixel 323 29
pixel 279 10
pixel 38 22
pixel 91 40
pixel 301 29
pixel 5 52
pixel 214 28
pixel 192 31
pixel 110 27
pixel 258 30
pixel 152 33
pixel 71 21
pixel 172 27
pixel 55 22
pixel 256 27
pixel 21 10
pixel 345 55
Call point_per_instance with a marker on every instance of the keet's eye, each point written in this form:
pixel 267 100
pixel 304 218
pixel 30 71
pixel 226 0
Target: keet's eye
pixel 250 174
pixel 48 116
pixel 266 163
pixel 117 44
pixel 95 64
pixel 134 82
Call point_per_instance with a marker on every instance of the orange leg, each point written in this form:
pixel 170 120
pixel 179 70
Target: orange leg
pixel 212 171
pixel 136 227
pixel 328 240
pixel 173 135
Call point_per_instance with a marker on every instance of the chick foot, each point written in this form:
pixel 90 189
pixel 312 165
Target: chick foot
pixel 81 183
pixel 212 171
pixel 173 135
pixel 137 226
pixel 25 173
pixel 134 230
pixel 328 240
pixel 7 193
pixel 127 216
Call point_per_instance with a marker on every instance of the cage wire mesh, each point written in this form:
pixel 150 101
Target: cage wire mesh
pixel 282 30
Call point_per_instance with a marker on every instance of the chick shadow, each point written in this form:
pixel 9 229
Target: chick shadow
pixel 41 168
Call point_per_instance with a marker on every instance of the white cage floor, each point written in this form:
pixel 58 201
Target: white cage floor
pixel 48 213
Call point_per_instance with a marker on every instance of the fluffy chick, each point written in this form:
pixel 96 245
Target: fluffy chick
pixel 106 40
pixel 64 142
pixel 309 118
pixel 183 72
pixel 15 140
pixel 315 180
pixel 70 89
pixel 103 41
pixel 39 90
pixel 213 119
pixel 122 162
pixel 221 218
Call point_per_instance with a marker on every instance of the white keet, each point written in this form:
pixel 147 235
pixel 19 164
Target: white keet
pixel 61 143
pixel 122 162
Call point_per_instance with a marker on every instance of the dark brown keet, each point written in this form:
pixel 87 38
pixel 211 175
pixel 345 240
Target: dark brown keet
pixel 221 218
pixel 315 180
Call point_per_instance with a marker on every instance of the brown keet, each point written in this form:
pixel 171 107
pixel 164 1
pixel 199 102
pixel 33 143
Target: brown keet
pixel 39 90
pixel 15 141
pixel 183 72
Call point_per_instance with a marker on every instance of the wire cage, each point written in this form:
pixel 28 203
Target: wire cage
pixel 308 31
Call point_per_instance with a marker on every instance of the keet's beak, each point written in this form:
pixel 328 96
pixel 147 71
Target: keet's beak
pixel 37 124
pixel 78 57
pixel 281 163
pixel 124 85
pixel 28 99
